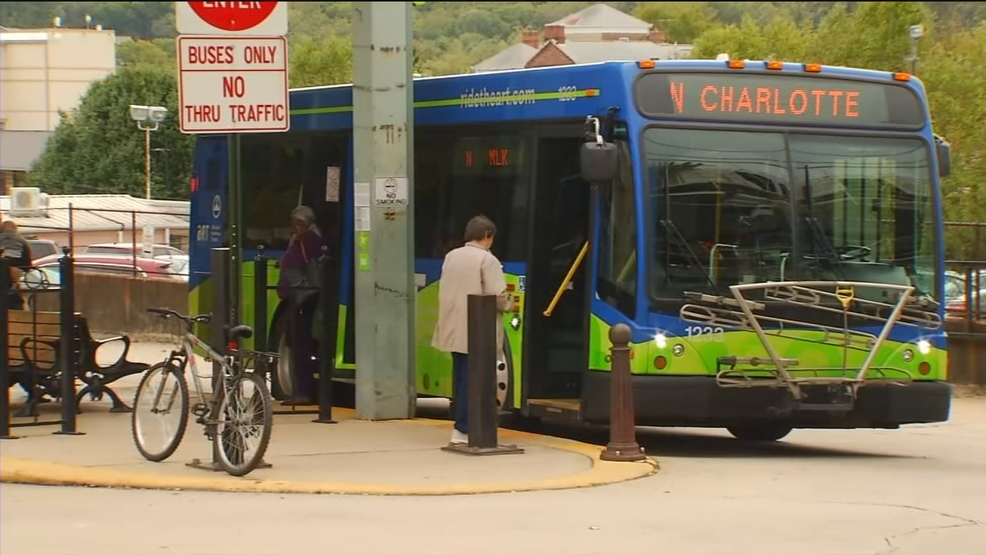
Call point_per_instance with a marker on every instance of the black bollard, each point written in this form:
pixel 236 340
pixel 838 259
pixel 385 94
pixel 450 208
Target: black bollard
pixel 66 270
pixel 481 387
pixel 260 301
pixel 327 339
pixel 4 361
pixel 622 444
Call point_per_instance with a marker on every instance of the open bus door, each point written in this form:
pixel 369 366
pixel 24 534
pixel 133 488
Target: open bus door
pixel 559 293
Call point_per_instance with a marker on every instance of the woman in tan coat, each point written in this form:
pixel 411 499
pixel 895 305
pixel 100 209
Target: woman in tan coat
pixel 468 270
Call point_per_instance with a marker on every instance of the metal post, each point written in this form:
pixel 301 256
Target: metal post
pixel 133 239
pixel 235 213
pixel 260 300
pixel 480 394
pixel 622 444
pixel 67 343
pixel 4 361
pixel 384 238
pixel 147 162
pixel 71 229
pixel 220 325
pixel 328 307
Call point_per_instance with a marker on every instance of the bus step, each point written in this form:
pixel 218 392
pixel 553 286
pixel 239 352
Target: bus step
pixel 568 409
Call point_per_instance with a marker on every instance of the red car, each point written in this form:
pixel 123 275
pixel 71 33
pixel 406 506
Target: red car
pixel 147 268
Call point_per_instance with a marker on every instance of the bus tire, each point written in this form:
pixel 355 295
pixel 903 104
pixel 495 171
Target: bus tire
pixel 760 431
pixel 282 376
pixel 504 385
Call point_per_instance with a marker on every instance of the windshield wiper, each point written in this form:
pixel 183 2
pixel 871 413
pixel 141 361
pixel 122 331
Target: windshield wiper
pixel 819 240
pixel 678 240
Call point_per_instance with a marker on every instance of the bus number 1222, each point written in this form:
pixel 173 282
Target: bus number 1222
pixel 706 333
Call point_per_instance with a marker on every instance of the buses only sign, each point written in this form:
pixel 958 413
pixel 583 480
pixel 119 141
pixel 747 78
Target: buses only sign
pixel 233 84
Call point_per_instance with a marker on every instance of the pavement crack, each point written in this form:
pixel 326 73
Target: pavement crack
pixel 890 539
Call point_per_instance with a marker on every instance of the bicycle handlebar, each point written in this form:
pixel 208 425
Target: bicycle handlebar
pixel 168 313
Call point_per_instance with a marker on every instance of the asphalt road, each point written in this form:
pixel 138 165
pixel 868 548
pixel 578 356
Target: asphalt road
pixel 916 491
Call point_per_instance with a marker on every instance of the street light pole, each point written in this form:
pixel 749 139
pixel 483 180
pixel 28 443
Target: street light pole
pixel 147 118
pixel 147 163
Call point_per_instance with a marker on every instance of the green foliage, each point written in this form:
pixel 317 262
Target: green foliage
pixel 148 54
pixel 325 62
pixel 681 21
pixel 98 148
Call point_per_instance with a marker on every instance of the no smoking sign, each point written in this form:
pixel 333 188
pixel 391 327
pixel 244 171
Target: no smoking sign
pixel 232 18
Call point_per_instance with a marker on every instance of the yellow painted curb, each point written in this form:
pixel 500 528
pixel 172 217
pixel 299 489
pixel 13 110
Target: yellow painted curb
pixel 27 471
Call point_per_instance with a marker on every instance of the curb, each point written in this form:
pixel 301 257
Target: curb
pixel 28 471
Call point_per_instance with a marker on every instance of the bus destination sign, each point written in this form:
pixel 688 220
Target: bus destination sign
pixel 777 98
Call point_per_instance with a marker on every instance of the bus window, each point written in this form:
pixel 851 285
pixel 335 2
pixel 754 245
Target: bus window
pixel 868 209
pixel 720 210
pixel 466 175
pixel 617 280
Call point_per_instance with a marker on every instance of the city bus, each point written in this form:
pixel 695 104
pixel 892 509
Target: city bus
pixel 770 232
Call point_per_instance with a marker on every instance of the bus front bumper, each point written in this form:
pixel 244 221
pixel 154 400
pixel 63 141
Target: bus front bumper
pixel 699 401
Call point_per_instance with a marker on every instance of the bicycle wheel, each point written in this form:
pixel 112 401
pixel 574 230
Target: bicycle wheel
pixel 158 420
pixel 244 424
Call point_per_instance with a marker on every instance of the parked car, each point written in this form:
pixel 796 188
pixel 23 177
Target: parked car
pixel 149 268
pixel 41 248
pixel 956 308
pixel 178 259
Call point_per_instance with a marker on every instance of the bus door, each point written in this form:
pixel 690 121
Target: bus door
pixel 557 315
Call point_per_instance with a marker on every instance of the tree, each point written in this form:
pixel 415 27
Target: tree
pixel 98 148
pixel 325 62
pixel 743 42
pixel 681 21
pixel 150 54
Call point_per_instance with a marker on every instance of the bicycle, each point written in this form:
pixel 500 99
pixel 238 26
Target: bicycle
pixel 231 419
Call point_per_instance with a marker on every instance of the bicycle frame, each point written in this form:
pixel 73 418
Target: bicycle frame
pixel 185 356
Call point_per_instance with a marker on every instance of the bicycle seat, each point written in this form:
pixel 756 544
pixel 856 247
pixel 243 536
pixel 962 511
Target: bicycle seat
pixel 240 332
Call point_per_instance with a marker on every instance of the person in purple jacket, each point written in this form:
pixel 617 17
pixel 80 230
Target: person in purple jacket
pixel 299 261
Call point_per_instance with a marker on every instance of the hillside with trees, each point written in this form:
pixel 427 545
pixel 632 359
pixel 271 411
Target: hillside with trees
pixel 450 37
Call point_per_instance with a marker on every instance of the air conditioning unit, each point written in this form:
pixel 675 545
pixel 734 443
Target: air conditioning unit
pixel 25 201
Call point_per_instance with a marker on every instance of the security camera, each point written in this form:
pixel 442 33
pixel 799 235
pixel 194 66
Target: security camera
pixel 917 31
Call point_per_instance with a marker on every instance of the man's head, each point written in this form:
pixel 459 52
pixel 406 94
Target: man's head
pixel 9 226
pixel 480 230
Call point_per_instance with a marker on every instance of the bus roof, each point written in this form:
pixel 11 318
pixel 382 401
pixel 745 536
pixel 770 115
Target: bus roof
pixel 558 92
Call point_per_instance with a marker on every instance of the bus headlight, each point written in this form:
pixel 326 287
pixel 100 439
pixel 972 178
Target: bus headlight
pixel 661 341
pixel 908 355
pixel 924 346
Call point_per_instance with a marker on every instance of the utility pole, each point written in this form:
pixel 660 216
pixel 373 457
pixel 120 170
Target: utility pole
pixel 384 217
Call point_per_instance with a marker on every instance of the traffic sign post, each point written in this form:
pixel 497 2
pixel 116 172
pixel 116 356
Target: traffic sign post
pixel 233 84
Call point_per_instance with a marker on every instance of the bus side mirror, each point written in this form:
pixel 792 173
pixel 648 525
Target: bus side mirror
pixel 944 152
pixel 598 161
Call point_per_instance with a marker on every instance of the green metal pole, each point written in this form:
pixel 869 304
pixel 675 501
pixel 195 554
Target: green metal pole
pixel 234 215
pixel 385 293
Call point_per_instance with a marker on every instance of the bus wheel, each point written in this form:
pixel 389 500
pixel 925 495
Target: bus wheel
pixel 282 378
pixel 763 431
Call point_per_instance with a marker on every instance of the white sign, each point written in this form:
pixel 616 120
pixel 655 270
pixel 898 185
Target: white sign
pixel 332 184
pixel 232 18
pixel 390 191
pixel 147 244
pixel 233 84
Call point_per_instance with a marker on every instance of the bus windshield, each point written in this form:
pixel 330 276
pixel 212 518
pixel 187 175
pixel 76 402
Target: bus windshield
pixel 731 207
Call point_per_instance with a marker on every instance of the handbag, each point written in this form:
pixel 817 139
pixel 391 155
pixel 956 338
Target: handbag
pixel 304 279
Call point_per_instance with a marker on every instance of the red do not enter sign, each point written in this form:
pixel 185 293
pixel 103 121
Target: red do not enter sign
pixel 233 16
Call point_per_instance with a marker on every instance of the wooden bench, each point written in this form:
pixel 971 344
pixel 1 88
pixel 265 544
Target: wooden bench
pixel 33 352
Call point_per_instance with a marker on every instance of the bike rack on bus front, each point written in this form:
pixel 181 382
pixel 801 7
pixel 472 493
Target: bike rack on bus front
pixel 741 312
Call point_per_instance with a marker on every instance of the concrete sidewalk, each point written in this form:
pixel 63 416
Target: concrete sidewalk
pixel 358 457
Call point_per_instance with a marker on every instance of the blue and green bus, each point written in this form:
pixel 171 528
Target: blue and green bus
pixel 770 232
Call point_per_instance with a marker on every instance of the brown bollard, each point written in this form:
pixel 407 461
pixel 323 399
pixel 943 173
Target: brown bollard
pixel 622 444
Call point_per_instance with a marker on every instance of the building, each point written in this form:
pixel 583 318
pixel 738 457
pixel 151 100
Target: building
pixel 599 33
pixel 42 72
pixel 97 219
